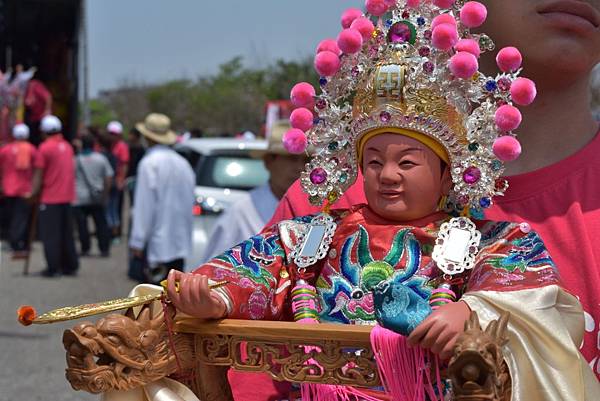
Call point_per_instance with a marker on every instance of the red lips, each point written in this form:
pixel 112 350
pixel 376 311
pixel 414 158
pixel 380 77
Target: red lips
pixel 390 195
pixel 577 8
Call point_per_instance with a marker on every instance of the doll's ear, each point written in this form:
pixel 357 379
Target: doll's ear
pixel 446 179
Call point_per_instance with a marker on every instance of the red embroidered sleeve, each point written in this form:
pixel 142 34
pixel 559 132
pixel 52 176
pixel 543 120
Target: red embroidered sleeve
pixel 511 259
pixel 257 272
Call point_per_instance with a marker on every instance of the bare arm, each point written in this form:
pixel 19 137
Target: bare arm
pixel 107 185
pixel 36 184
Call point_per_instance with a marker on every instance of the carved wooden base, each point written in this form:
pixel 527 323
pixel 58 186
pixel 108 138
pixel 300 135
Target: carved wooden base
pixel 288 351
pixel 319 353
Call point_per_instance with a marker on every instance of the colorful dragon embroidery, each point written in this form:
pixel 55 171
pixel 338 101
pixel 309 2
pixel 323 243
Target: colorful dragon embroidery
pixel 527 254
pixel 249 258
pixel 347 298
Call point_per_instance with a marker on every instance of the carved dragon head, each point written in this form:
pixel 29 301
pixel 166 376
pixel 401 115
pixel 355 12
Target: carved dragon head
pixel 477 369
pixel 119 353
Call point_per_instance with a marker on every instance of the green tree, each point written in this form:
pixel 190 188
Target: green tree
pixel 100 113
pixel 230 101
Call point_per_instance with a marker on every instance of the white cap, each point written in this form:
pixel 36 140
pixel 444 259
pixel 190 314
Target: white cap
pixel 115 128
pixel 249 135
pixel 50 124
pixel 20 131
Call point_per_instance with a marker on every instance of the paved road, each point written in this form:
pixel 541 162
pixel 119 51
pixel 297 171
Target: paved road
pixel 32 359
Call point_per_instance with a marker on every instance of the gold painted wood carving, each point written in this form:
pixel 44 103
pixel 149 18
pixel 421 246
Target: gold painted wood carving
pixel 336 354
pixel 329 362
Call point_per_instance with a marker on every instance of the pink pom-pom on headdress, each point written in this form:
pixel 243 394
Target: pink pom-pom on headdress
pixel 413 3
pixel 364 26
pixel 469 46
pixel 376 7
pixel 444 36
pixel 303 95
pixel 349 16
pixel 294 141
pixel 350 41
pixel 509 59
pixel 507 148
pixel 508 117
pixel 443 3
pixel 302 119
pixel 442 19
pixel 327 63
pixel 390 3
pixel 329 45
pixel 473 14
pixel 463 65
pixel 523 91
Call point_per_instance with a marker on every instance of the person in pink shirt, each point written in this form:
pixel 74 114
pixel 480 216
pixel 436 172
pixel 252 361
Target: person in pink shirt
pixel 555 185
pixel 54 182
pixel 120 151
pixel 16 172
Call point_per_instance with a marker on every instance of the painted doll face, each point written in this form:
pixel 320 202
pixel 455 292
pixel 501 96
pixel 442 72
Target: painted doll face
pixel 404 179
pixel 555 37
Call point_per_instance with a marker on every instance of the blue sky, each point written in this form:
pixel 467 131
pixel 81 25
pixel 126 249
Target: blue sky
pixel 146 41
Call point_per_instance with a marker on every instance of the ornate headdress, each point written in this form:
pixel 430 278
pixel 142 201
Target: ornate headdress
pixel 411 66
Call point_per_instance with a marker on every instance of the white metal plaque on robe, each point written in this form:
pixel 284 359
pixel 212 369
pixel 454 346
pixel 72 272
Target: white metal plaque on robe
pixel 456 245
pixel 314 244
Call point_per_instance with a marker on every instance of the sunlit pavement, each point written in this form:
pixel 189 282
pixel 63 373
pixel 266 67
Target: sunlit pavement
pixel 32 359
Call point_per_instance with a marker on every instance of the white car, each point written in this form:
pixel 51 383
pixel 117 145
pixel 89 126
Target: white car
pixel 225 171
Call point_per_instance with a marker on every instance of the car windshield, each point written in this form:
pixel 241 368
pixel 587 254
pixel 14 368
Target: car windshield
pixel 233 172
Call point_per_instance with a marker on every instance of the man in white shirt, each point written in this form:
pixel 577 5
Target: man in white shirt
pixel 248 216
pixel 164 197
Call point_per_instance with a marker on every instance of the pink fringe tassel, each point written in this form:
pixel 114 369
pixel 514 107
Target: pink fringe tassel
pixel 328 392
pixel 405 372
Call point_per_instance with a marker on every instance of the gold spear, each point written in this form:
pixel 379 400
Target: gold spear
pixel 27 315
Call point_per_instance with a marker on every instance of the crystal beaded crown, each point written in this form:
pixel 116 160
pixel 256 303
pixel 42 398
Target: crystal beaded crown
pixel 415 68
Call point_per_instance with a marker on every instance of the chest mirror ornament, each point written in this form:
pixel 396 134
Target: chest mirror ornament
pixel 313 245
pixel 456 246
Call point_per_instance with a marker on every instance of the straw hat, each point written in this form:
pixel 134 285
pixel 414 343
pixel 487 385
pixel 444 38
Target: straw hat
pixel 275 140
pixel 157 127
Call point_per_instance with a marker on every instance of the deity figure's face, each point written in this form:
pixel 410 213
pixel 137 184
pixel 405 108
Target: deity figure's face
pixel 404 179
pixel 558 39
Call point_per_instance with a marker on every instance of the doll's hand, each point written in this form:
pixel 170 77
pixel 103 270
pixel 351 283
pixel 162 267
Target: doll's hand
pixel 441 329
pixel 194 297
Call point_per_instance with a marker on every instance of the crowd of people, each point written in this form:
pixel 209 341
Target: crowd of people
pixel 53 191
pixel 59 182
pixel 62 183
